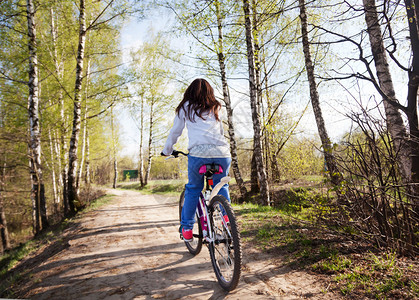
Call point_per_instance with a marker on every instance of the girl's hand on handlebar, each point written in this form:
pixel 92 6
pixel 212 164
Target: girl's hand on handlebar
pixel 176 153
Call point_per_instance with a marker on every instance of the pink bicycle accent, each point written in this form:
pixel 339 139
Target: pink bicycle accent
pixel 203 169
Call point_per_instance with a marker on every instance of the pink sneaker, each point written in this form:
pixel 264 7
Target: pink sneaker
pixel 187 235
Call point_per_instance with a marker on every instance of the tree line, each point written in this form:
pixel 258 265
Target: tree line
pixel 352 46
pixel 59 78
pixel 62 74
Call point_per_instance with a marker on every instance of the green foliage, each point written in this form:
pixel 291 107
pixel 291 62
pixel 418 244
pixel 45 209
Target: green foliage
pixel 162 168
pixel 356 275
pixel 166 187
pixel 385 262
pixel 331 261
pixel 300 157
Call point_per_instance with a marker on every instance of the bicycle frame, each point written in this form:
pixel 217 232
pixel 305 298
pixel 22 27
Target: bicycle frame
pixel 216 227
pixel 203 202
pixel 202 208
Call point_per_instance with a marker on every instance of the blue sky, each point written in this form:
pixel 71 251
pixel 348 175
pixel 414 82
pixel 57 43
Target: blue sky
pixel 334 101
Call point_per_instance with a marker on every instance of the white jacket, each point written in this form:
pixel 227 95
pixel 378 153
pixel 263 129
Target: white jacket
pixel 205 136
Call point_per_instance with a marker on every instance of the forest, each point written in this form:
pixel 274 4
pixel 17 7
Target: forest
pixel 309 89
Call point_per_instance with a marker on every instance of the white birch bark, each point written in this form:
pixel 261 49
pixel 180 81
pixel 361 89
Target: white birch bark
pixel 332 168
pixel 394 120
pixel 84 138
pixel 87 179
pixel 62 150
pixel 53 177
pixel 4 233
pixel 115 163
pixel 59 170
pixel 264 187
pixel 150 143
pixel 37 192
pixel 141 168
pixel 72 155
pixel 229 109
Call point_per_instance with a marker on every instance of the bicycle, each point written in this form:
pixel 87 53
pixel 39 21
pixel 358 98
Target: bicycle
pixel 212 228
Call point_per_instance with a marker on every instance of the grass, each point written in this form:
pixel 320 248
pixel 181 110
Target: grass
pixel 171 187
pixel 98 203
pixel 353 272
pixel 377 276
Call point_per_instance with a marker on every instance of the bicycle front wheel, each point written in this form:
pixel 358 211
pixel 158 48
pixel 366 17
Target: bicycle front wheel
pixel 195 246
pixel 225 250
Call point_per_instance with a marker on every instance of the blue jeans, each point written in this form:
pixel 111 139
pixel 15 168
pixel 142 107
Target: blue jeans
pixel 196 183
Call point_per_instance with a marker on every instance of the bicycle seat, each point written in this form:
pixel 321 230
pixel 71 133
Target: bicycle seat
pixel 210 169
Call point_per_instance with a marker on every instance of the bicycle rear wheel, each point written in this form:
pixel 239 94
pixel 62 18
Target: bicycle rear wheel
pixel 195 246
pixel 225 251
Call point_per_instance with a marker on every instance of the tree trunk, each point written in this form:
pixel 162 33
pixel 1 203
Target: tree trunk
pixel 83 148
pixel 395 124
pixel 82 152
pixel 227 101
pixel 37 192
pixel 87 179
pixel 258 86
pixel 141 168
pixel 4 233
pixel 150 143
pixel 271 155
pixel 57 154
pixel 394 120
pixel 256 53
pixel 63 166
pixel 254 181
pixel 115 164
pixel 332 168
pixel 72 156
pixel 53 175
pixel 264 187
pixel 412 97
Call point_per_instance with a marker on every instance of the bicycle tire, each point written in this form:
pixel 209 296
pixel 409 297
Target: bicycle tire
pixel 225 250
pixel 195 246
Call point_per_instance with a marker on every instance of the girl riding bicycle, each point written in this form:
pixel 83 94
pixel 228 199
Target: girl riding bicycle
pixel 199 111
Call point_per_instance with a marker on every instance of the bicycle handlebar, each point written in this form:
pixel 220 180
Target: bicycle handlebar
pixel 176 153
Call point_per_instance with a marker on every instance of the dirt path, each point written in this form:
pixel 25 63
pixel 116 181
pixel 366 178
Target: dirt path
pixel 130 249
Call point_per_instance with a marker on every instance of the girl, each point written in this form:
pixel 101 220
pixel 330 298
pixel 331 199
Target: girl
pixel 199 111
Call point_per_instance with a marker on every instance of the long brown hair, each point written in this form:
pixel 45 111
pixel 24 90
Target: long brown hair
pixel 201 99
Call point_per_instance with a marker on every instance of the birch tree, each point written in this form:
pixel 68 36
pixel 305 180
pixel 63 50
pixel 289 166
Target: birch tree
pixel 38 190
pixel 412 11
pixel 227 101
pixel 332 168
pixel 141 166
pixel 394 120
pixel 72 158
pixel 404 144
pixel 104 15
pixel 4 233
pixel 264 187
pixel 115 161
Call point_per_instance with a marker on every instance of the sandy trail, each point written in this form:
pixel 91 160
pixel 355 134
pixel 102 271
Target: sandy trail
pixel 130 249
